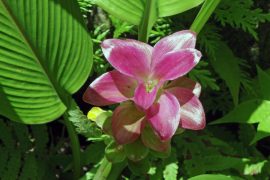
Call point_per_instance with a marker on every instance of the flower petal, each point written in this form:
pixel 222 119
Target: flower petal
pixel 127 123
pixel 177 41
pixel 164 116
pixel 184 82
pixel 176 64
pixel 144 99
pixel 130 57
pixel 110 88
pixel 192 112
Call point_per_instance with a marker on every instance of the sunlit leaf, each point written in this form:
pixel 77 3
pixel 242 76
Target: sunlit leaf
pixel 263 130
pixel 132 10
pixel 252 111
pixel 172 7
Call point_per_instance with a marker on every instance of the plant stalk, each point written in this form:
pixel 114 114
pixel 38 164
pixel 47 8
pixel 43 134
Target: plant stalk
pixel 103 170
pixel 75 144
pixel 116 170
pixel 148 20
pixel 206 11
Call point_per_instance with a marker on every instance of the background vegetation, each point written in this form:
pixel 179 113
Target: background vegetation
pixel 234 74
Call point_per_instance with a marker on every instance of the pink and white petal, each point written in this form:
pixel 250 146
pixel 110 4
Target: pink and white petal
pixel 176 64
pixel 177 41
pixel 110 88
pixel 184 82
pixel 127 123
pixel 144 99
pixel 130 57
pixel 164 116
pixel 192 112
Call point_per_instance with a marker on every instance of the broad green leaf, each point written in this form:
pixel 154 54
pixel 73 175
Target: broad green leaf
pixel 132 10
pixel 172 7
pixel 212 177
pixel 45 55
pixel 263 130
pixel 252 111
pixel 264 81
pixel 126 10
pixel 227 68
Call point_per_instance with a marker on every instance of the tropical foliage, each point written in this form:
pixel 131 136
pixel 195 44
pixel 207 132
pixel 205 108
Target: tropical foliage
pixel 51 51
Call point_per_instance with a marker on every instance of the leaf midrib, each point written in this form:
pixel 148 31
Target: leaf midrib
pixel 32 50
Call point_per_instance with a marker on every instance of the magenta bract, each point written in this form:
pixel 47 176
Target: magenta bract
pixel 151 78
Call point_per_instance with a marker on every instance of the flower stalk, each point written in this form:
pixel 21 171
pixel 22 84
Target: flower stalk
pixel 75 144
pixel 103 170
pixel 147 21
pixel 206 11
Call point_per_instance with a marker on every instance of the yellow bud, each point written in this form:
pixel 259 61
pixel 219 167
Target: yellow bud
pixel 94 113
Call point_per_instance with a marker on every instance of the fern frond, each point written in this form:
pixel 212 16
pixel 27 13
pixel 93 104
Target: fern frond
pixel 13 166
pixel 100 33
pixel 22 134
pixel 83 125
pixel 120 27
pixel 201 74
pixel 29 170
pixel 161 29
pixel 3 159
pixel 240 14
pixel 85 6
pixel 20 148
pixel 209 40
pixel 41 138
pixel 6 135
pixel 171 167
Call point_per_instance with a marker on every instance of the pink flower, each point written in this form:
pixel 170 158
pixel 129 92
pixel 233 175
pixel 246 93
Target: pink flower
pixel 151 77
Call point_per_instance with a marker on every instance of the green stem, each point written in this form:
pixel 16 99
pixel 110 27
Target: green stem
pixel 75 144
pixel 116 170
pixel 103 170
pixel 206 11
pixel 147 21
